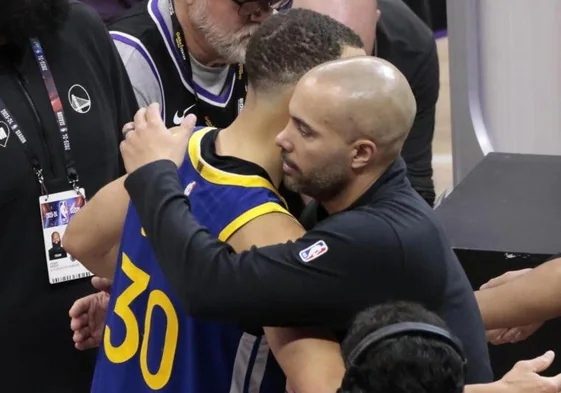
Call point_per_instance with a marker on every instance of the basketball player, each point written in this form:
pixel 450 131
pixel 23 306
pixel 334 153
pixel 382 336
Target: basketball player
pixel 232 176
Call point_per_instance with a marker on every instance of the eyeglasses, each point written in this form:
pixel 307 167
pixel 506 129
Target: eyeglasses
pixel 250 7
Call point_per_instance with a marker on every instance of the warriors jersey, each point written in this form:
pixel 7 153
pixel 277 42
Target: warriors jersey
pixel 149 343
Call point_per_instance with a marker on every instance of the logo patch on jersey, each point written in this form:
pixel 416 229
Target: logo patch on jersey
pixel 316 250
pixel 79 99
pixel 240 105
pixel 4 134
pixel 190 187
pixel 177 120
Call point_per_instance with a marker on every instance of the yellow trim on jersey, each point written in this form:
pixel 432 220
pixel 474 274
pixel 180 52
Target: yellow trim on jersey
pixel 251 214
pixel 217 176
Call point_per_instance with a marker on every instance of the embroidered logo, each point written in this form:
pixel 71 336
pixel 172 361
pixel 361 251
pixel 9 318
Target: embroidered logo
pixel 314 251
pixel 79 99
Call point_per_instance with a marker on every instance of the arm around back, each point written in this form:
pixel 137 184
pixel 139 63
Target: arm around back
pixel 310 358
pixel 322 279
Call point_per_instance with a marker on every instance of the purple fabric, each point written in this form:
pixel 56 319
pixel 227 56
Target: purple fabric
pixel 109 10
pixel 440 34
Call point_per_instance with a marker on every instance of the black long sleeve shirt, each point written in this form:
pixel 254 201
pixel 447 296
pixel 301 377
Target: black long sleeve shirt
pixel 84 62
pixel 387 246
pixel 405 40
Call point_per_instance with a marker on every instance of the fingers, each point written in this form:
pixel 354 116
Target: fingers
pixel 127 128
pixel 153 114
pixel 81 335
pixel 189 122
pixel 186 129
pixel 140 119
pixel 102 284
pixel 555 381
pixel 79 307
pixel 89 343
pixel 508 276
pixel 79 322
pixel 494 336
pixel 539 364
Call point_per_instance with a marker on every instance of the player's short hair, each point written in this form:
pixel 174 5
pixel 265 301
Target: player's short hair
pixel 407 363
pixel 291 43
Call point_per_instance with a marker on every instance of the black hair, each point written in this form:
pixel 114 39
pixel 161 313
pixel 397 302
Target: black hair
pixel 291 43
pixel 407 363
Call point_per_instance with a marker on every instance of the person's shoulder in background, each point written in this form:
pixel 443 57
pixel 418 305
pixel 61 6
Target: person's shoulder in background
pixel 110 10
pixel 403 38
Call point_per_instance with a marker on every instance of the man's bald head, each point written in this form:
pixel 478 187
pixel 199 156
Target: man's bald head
pixel 348 120
pixel 364 97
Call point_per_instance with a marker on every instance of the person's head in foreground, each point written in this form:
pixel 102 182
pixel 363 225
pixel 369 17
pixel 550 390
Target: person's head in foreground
pixel 285 47
pixel 348 121
pixel 401 347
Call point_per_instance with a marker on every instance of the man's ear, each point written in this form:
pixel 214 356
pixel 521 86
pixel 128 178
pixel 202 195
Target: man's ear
pixel 364 153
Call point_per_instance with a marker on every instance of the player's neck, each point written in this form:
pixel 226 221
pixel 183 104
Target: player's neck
pixel 195 40
pixel 252 138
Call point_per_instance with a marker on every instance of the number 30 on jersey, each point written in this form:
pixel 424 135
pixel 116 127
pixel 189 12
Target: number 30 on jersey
pixel 129 347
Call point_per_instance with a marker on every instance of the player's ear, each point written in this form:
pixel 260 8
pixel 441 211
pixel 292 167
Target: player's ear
pixel 364 152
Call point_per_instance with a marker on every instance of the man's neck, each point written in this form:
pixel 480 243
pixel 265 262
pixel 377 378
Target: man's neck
pixel 251 137
pixel 195 41
pixel 352 192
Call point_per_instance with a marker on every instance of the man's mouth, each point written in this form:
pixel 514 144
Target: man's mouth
pixel 289 167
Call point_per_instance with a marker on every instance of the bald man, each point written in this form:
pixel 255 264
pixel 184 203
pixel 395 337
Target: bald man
pixel 394 33
pixel 374 238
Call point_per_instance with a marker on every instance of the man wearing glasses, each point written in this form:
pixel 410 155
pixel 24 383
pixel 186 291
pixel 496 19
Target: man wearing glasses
pixel 187 55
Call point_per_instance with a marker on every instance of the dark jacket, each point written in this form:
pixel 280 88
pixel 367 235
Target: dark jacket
pixel 35 328
pixel 109 10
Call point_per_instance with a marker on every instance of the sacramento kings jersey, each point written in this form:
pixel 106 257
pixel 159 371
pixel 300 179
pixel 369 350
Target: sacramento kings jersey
pixel 149 343
pixel 152 50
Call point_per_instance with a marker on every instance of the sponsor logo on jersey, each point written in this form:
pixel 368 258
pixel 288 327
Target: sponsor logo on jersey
pixel 177 120
pixel 314 251
pixel 79 99
pixel 4 134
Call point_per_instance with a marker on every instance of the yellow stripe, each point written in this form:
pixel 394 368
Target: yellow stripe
pixel 217 176
pixel 244 218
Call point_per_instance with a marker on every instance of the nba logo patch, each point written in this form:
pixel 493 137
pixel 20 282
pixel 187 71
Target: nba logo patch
pixel 189 188
pixel 314 251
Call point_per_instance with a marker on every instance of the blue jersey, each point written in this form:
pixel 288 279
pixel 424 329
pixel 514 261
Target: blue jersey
pixel 149 343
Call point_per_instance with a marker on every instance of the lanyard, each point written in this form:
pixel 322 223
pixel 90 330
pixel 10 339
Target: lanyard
pixel 181 46
pixel 56 104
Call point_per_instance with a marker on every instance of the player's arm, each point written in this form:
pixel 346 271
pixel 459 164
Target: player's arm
pixel 310 358
pixel 532 297
pixel 94 233
pixel 359 15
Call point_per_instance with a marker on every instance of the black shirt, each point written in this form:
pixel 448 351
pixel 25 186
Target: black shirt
pixel 387 246
pixel 35 330
pixel 405 41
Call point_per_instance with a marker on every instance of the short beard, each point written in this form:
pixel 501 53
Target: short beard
pixel 230 47
pixel 21 20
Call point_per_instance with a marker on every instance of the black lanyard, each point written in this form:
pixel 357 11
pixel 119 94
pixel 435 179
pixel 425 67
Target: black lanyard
pixel 181 46
pixel 56 104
